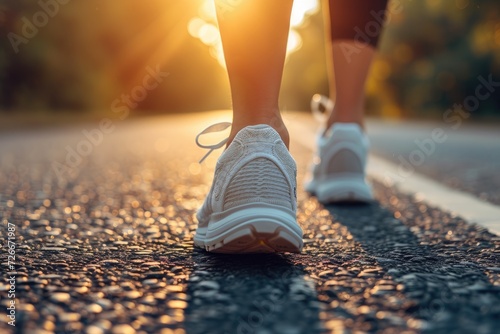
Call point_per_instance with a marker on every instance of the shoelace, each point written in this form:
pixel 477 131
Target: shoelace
pixel 217 127
pixel 319 101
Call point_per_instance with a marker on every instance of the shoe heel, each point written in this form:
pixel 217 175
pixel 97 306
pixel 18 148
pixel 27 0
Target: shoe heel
pixel 344 190
pixel 255 230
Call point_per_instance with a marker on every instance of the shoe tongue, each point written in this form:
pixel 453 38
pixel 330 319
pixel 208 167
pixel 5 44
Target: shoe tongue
pixel 263 132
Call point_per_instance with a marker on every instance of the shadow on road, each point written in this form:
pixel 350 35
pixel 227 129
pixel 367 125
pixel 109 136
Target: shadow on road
pixel 450 292
pixel 250 294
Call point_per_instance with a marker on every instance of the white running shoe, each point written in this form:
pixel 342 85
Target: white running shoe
pixel 338 169
pixel 252 204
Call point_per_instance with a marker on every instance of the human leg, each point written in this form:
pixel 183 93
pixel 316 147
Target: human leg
pixel 254 35
pixel 353 32
pixel 338 173
pixel 251 206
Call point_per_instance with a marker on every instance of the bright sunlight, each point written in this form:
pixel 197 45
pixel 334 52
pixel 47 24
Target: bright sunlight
pixel 204 26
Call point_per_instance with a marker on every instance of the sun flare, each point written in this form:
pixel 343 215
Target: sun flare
pixel 204 26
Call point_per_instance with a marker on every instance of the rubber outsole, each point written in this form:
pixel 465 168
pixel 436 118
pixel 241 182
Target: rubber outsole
pixel 252 231
pixel 342 190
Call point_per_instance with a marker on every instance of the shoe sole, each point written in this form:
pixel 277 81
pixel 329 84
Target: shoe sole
pixel 254 230
pixel 343 190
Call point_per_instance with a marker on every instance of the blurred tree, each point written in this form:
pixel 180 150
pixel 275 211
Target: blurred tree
pixel 93 51
pixel 432 54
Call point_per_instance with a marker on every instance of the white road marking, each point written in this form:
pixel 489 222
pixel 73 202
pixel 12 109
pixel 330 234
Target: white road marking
pixel 454 201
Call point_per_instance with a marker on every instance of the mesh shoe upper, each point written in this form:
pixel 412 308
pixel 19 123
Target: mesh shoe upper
pixel 342 152
pixel 255 168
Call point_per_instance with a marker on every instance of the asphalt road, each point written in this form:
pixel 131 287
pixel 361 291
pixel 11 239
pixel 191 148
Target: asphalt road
pixel 467 158
pixel 105 246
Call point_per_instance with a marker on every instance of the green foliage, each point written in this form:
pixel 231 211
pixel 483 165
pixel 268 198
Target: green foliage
pixel 437 50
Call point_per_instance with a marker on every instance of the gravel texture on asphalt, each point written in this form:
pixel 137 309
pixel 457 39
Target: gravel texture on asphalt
pixel 468 160
pixel 107 248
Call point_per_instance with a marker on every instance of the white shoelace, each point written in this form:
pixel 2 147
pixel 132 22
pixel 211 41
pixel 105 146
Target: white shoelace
pixel 321 107
pixel 217 127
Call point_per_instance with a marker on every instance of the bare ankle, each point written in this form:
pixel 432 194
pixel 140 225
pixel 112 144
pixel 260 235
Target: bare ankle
pixel 275 122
